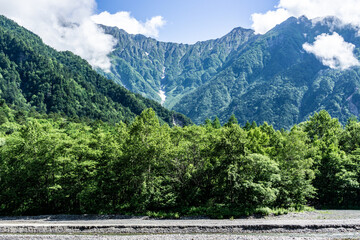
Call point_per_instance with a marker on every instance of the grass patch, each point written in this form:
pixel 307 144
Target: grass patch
pixel 221 211
pixel 163 215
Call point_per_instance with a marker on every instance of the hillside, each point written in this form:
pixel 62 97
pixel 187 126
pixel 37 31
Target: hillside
pixel 35 75
pixel 146 66
pixel 258 78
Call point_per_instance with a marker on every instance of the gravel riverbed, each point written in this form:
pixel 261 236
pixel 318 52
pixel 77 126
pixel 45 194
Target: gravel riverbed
pixel 330 224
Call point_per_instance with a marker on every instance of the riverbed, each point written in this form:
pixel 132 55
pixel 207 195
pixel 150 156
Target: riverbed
pixel 329 224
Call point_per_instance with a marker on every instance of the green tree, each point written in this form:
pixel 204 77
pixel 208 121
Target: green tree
pixel 296 165
pixel 146 158
pixel 255 180
pixel 216 123
pixel 232 120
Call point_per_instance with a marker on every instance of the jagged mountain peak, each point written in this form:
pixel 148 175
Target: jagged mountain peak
pixel 240 31
pixel 267 77
pixel 328 21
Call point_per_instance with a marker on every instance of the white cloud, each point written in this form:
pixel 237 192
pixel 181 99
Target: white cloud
pixel 64 25
pixel 333 51
pixel 69 25
pixel 264 22
pixel 125 21
pixel 346 10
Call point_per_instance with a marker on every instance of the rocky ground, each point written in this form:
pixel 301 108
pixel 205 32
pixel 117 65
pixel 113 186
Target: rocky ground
pixel 331 224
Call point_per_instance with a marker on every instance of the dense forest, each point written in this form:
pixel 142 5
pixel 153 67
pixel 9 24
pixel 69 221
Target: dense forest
pixel 51 165
pixel 34 75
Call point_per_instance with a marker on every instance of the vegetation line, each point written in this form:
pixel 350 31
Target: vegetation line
pixel 52 165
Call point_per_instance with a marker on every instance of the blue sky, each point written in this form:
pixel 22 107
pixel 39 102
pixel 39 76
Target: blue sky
pixel 188 21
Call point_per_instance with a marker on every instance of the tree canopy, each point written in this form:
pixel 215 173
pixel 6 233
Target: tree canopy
pixel 52 165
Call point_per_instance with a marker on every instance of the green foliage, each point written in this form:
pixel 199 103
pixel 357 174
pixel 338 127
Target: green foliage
pixel 337 180
pixel 232 120
pixel 35 75
pixel 55 165
pixel 216 123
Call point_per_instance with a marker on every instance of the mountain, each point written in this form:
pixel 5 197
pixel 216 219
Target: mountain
pixel 258 78
pixel 146 66
pixel 35 75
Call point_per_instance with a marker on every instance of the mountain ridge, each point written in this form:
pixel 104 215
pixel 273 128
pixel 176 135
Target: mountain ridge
pixel 260 78
pixel 137 53
pixel 33 74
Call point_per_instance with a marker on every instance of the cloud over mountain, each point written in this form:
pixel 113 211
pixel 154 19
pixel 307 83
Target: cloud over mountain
pixel 346 10
pixel 64 25
pixel 125 21
pixel 69 25
pixel 333 51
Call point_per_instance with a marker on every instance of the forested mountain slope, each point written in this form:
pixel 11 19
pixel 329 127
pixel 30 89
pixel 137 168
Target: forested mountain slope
pixel 258 78
pixel 146 66
pixel 35 75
